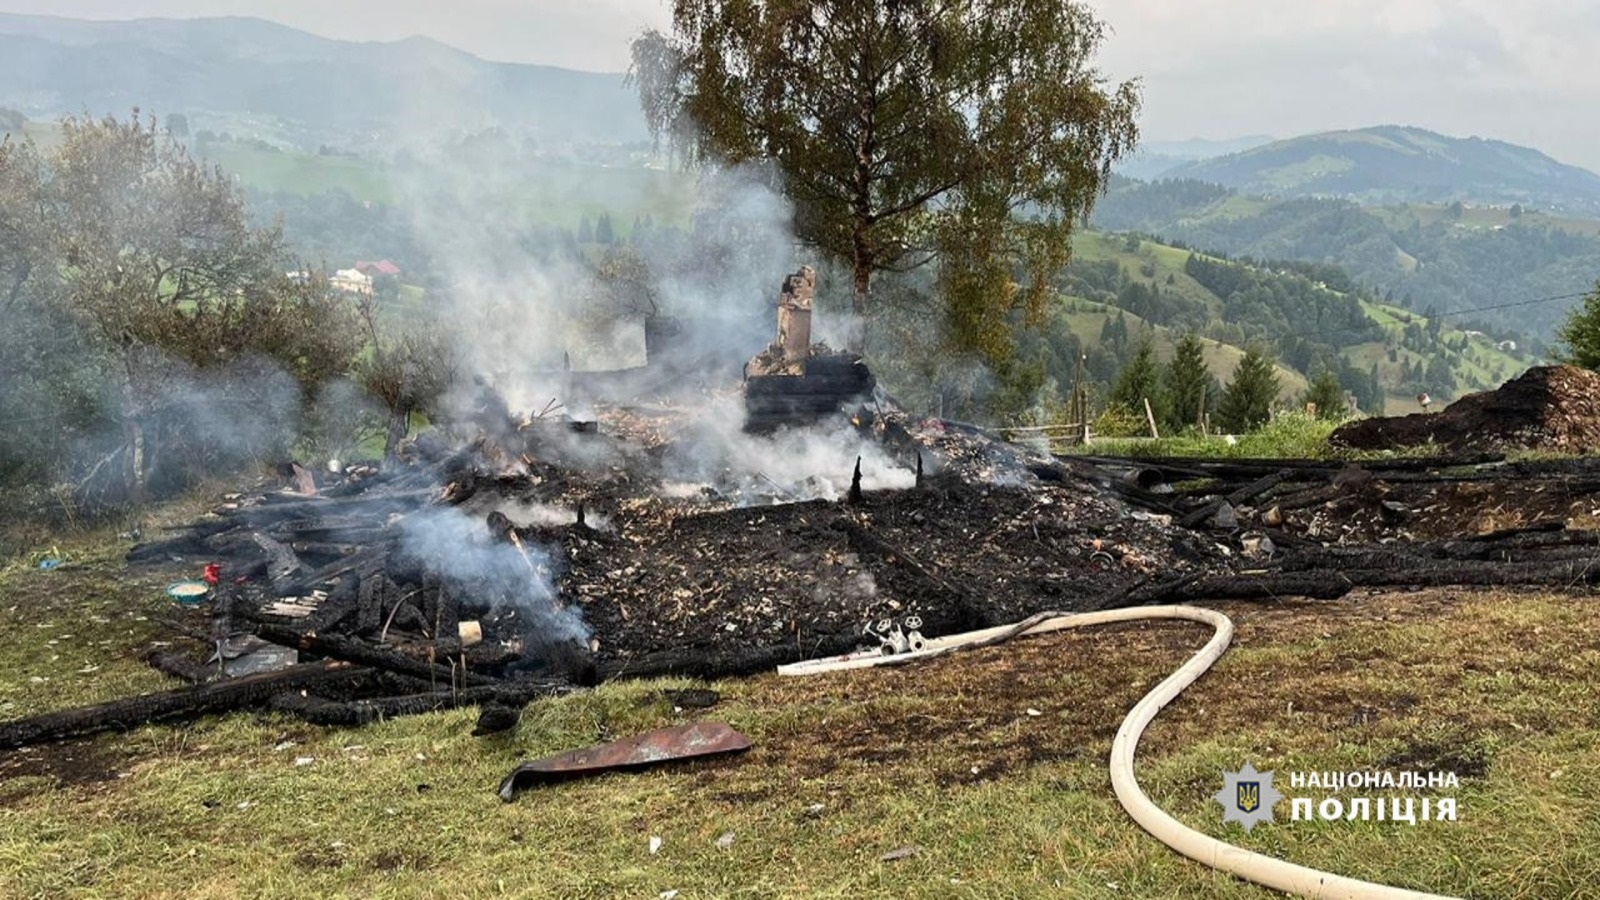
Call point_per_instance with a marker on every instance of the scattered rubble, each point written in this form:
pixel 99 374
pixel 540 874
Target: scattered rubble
pixel 660 538
pixel 1552 408
pixel 488 576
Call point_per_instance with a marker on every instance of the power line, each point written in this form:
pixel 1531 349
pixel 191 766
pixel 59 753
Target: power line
pixel 1514 304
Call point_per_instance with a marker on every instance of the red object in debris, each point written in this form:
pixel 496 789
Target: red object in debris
pixel 650 748
pixel 213 573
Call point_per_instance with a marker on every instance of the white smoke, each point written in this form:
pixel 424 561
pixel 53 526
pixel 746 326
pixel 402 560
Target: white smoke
pixel 809 463
pixel 480 569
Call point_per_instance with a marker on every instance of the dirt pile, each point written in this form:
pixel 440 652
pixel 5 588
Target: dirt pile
pixel 1546 408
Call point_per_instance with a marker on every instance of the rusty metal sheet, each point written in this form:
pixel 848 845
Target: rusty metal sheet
pixel 637 752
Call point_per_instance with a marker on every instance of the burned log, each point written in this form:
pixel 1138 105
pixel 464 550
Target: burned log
pixel 352 713
pixel 350 650
pixel 182 704
pixel 181 667
pixel 1235 498
pixel 707 663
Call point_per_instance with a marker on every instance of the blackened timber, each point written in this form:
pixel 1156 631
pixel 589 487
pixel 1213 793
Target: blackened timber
pixel 168 706
pixel 702 663
pixel 369 598
pixel 180 666
pixel 319 711
pixel 354 651
pixel 1200 589
pixel 1242 495
pixel 342 604
pixel 282 563
pixel 969 612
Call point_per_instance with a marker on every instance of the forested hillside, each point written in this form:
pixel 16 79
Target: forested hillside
pixel 1488 268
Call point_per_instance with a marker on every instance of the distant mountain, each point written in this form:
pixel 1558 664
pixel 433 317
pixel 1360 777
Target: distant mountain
pixel 1205 148
pixel 1394 164
pixel 273 82
pixel 1154 159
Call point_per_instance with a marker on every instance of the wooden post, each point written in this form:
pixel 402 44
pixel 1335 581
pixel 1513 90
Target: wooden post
pixel 1080 400
pixel 1150 417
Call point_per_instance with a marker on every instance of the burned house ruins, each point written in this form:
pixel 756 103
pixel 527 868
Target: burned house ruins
pixel 742 526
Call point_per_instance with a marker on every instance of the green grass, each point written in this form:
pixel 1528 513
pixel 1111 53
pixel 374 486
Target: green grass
pixel 1309 169
pixel 1095 246
pixel 302 173
pixel 845 768
pixel 1291 435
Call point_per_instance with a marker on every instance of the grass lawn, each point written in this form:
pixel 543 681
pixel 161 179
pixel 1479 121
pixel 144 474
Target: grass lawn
pixel 992 764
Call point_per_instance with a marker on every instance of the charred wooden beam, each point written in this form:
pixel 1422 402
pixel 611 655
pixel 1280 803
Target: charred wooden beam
pixel 1235 498
pixel 350 650
pixel 181 666
pixel 319 711
pixel 711 663
pixel 182 704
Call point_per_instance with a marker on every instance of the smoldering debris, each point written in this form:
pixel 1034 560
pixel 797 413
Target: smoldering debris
pixel 494 573
pixel 491 573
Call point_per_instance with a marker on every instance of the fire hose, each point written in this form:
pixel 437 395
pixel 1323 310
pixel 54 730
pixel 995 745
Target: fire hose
pixel 1245 864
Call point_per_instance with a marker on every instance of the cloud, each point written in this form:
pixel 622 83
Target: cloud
pixel 1223 68
pixel 1465 67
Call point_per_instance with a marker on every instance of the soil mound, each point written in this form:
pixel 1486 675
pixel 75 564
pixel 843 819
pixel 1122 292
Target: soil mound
pixel 1545 408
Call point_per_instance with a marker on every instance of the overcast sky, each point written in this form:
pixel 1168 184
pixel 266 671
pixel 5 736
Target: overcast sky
pixel 1524 71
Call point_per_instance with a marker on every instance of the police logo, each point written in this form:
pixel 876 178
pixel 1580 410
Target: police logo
pixel 1247 796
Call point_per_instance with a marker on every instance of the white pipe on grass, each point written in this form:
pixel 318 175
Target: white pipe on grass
pixel 1246 864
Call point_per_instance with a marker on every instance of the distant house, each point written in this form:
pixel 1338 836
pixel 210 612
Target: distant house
pixel 375 269
pixel 352 280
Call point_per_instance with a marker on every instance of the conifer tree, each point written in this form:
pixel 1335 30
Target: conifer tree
pixel 1246 402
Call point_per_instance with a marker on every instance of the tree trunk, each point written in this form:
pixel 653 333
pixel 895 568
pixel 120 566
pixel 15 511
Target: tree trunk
pixel 136 480
pixel 399 424
pixel 857 340
pixel 861 257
